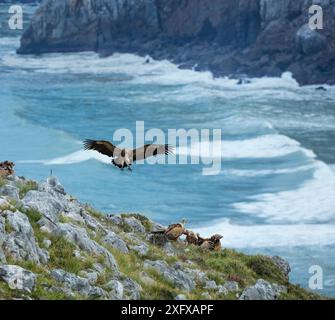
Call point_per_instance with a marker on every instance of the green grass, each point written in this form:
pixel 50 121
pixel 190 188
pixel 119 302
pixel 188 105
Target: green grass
pixel 62 256
pixel 144 220
pixel 3 182
pixel 24 188
pixel 94 213
pixel 295 292
pixel 219 266
pixel 8 228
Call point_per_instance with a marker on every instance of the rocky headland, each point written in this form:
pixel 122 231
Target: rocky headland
pixel 54 247
pixel 227 37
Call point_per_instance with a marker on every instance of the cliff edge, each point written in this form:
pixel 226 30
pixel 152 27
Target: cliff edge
pixel 227 37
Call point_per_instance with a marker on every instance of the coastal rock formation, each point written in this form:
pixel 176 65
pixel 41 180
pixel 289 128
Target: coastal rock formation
pixel 262 290
pixel 53 247
pixel 18 278
pixel 230 37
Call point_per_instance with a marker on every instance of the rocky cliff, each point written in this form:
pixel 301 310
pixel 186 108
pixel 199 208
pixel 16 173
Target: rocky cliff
pixel 227 37
pixel 54 247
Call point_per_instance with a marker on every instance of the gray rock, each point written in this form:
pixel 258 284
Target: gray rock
pixel 70 280
pixel 2 255
pixel 134 224
pixel 180 297
pixel 132 289
pixel 169 249
pixel 113 240
pixel 96 293
pixel 92 223
pixel 18 278
pixel 91 276
pixel 2 238
pixel 10 192
pixel 49 204
pixel 282 264
pixel 116 289
pixel 310 41
pixel 176 276
pixel 79 237
pixel 117 220
pixel 20 243
pixel 222 290
pixel 231 286
pixel 196 275
pixel 142 249
pixel 263 290
pixel 211 285
pixel 78 284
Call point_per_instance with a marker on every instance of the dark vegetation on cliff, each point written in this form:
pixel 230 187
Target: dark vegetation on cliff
pixel 227 37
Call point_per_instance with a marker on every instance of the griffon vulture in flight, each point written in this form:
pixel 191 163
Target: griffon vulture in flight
pixel 124 158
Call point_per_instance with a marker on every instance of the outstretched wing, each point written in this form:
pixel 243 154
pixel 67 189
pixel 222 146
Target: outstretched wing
pixel 151 150
pixel 101 146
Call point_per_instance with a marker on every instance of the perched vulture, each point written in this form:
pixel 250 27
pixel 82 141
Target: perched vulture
pixel 213 243
pixel 124 158
pixel 174 231
pixel 191 237
pixel 6 168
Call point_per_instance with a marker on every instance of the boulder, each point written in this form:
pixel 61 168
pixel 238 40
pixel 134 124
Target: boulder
pixel 210 284
pixel 231 286
pixel 49 204
pixel 80 237
pixel 77 284
pixel 263 290
pixel 20 242
pixel 10 192
pixel 310 41
pixel 115 288
pixel 134 224
pixel 132 289
pixel 18 278
pixel 282 264
pixel 176 276
pixel 113 240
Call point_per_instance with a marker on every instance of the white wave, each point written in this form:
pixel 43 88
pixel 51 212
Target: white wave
pixel 267 236
pixel 9 41
pixel 72 158
pixel 266 146
pixel 160 72
pixel 313 201
pixel 256 173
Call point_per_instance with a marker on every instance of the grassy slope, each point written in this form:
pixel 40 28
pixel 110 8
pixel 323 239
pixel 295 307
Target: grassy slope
pixel 220 266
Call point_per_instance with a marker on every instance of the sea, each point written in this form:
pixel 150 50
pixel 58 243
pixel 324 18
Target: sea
pixel 274 193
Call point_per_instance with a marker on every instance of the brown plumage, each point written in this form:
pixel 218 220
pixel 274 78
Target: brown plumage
pixel 213 243
pixel 6 168
pixel 174 231
pixel 124 158
pixel 191 237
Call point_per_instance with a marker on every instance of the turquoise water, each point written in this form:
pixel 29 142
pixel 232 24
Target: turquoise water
pixel 275 193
